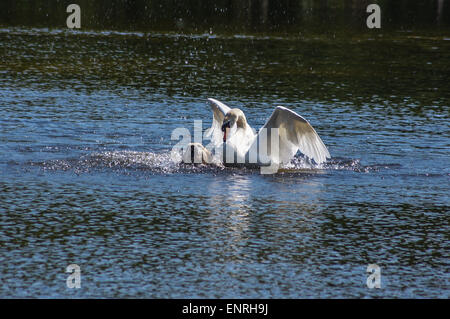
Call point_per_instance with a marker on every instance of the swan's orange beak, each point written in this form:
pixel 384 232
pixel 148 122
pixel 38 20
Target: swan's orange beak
pixel 225 126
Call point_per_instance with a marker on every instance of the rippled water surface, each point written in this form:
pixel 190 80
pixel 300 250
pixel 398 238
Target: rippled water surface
pixel 86 175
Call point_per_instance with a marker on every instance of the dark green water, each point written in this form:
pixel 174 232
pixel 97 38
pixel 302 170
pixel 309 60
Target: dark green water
pixel 85 173
pixel 235 16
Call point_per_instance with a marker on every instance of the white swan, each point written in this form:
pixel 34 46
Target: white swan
pixel 295 133
pixel 238 143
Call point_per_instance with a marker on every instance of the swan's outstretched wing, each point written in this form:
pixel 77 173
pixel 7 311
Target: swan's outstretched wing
pixel 295 133
pixel 215 132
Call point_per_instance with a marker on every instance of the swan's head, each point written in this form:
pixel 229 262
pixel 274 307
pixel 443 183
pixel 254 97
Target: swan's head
pixel 232 118
pixel 196 153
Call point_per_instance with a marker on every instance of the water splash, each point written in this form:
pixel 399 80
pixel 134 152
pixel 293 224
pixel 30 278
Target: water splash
pixel 170 163
pixel 355 165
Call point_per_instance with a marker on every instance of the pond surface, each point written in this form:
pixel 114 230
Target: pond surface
pixel 86 175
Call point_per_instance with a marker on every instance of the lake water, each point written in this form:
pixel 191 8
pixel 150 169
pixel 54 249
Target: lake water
pixel 86 176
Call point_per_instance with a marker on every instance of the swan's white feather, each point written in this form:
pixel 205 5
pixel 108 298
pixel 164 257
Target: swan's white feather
pixel 295 134
pixel 215 131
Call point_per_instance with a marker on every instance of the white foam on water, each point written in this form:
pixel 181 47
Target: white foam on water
pixel 169 162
